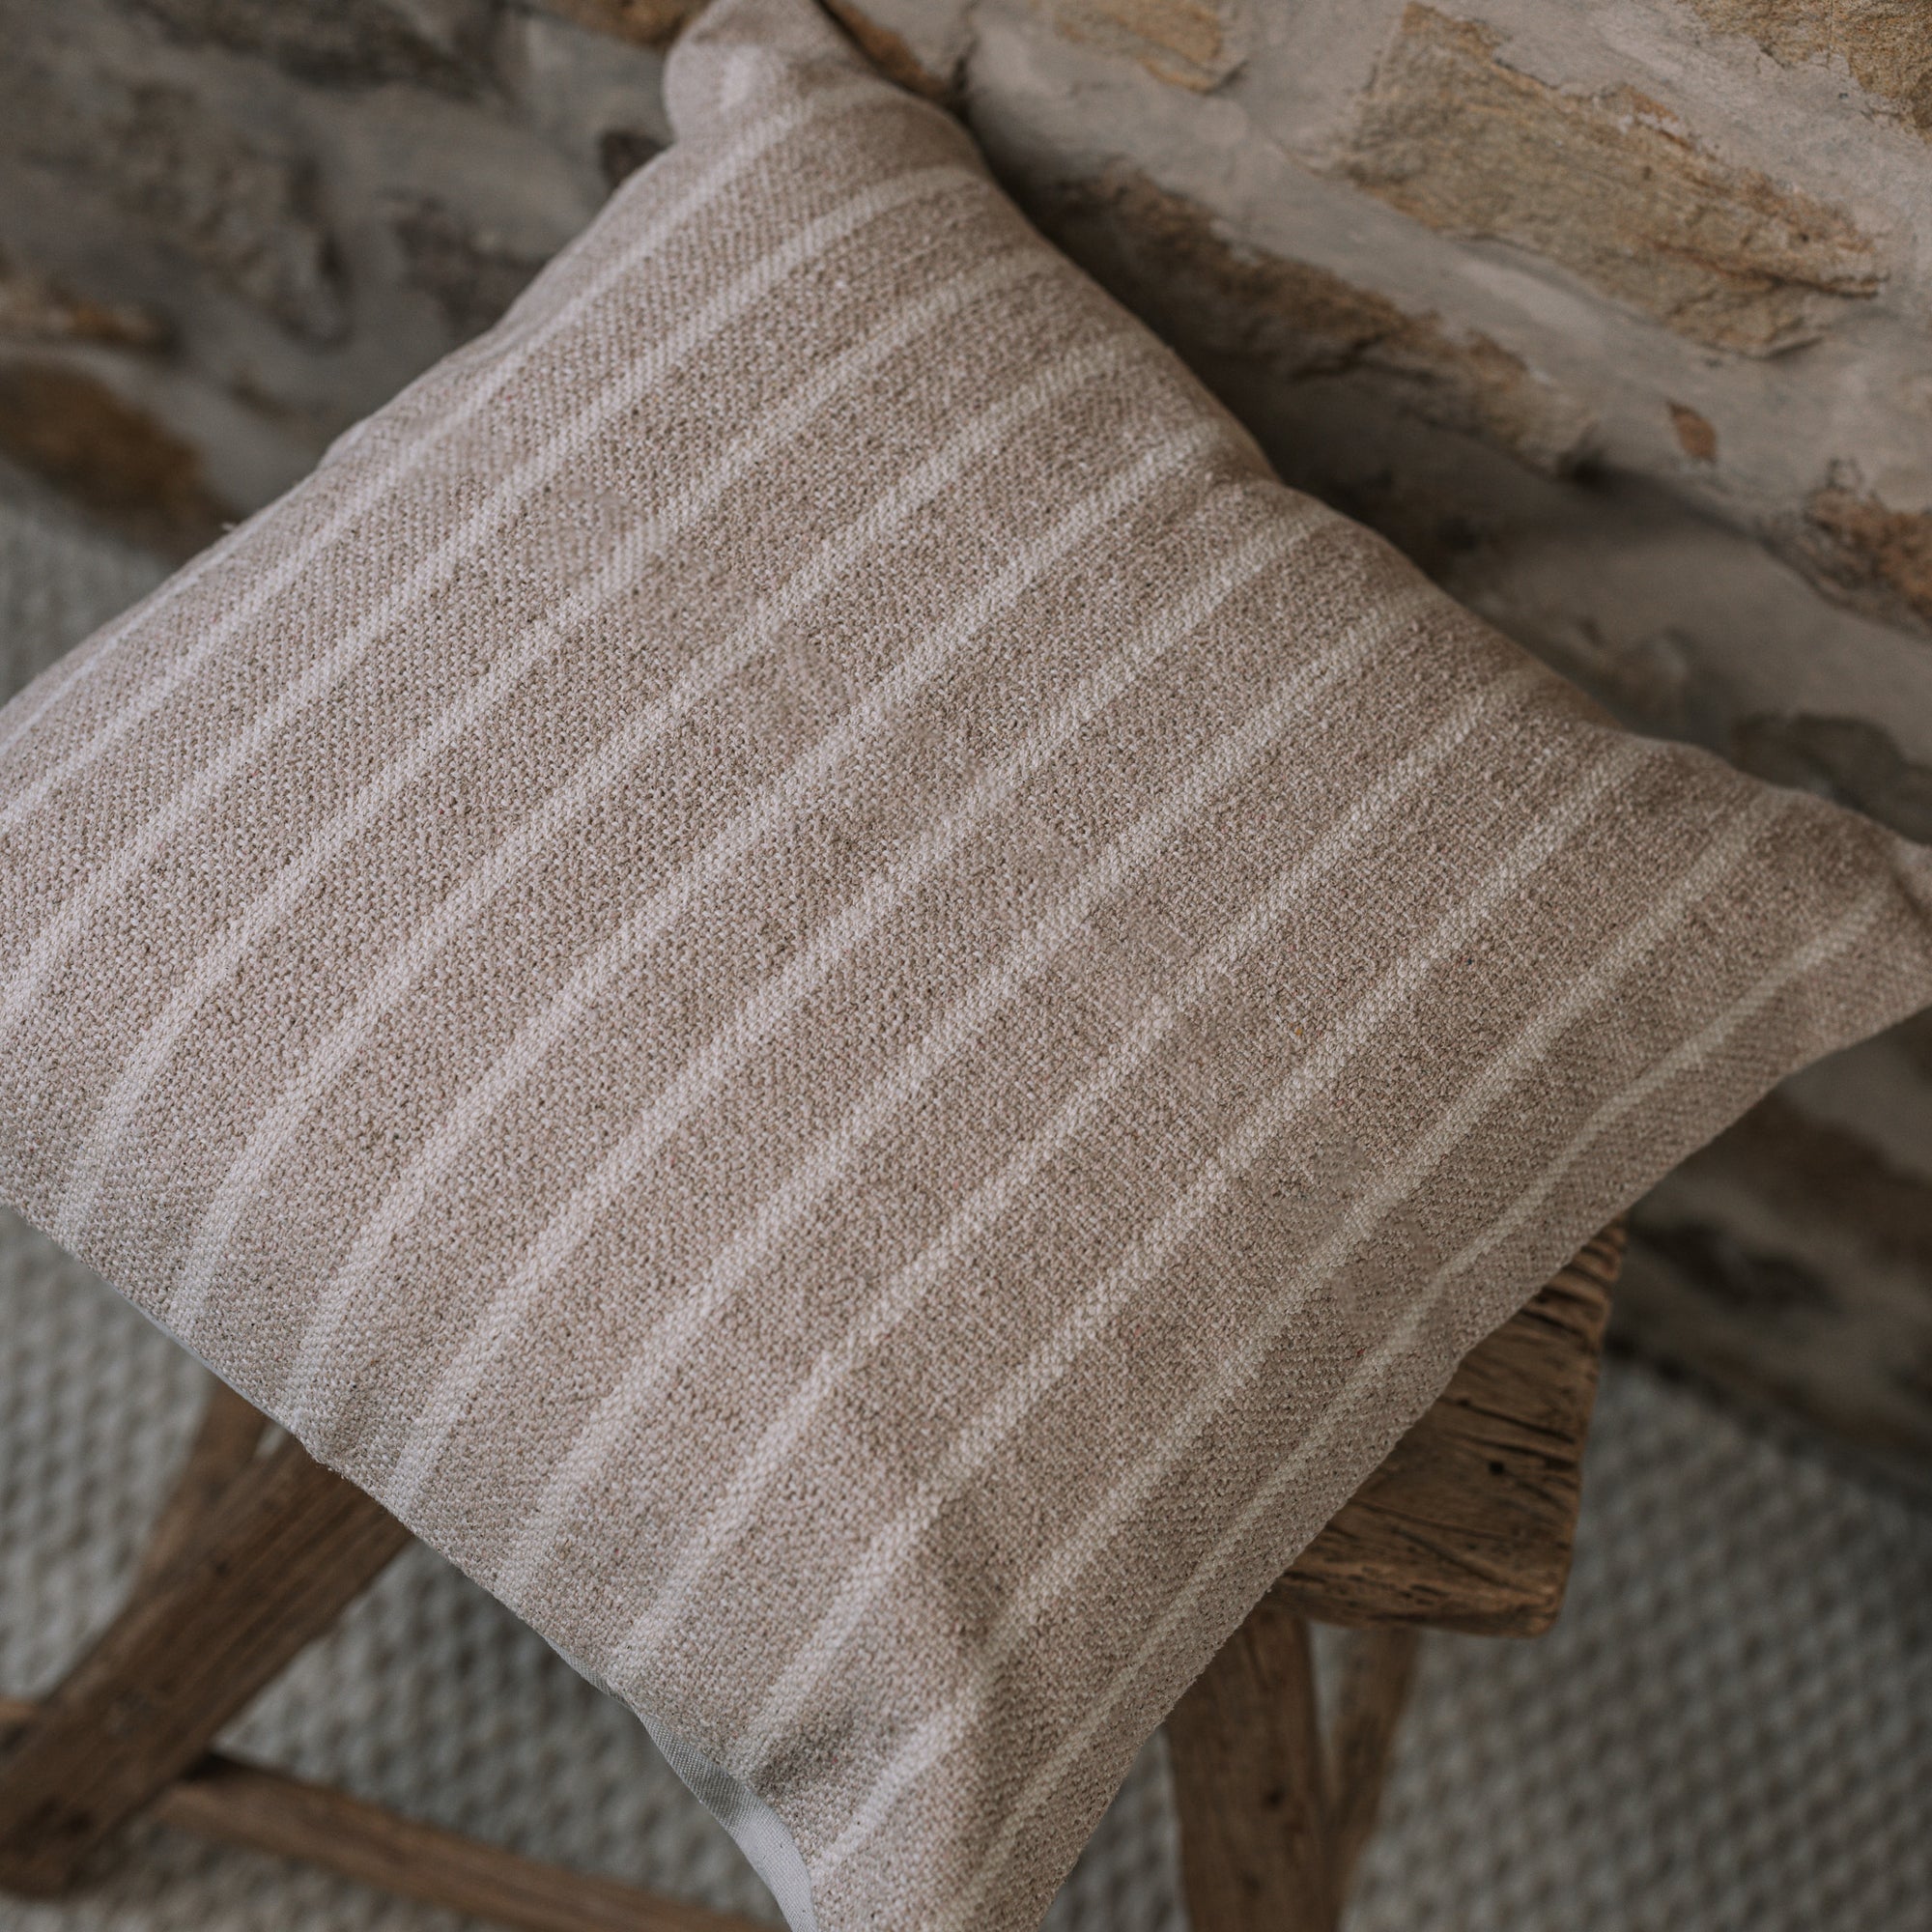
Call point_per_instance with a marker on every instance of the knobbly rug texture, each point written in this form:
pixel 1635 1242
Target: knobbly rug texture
pixel 1730 1729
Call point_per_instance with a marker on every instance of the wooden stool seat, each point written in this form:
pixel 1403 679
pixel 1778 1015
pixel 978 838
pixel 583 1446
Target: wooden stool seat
pixel 1468 1526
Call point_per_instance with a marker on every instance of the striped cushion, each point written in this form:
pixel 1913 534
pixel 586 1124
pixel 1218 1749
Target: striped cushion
pixel 800 965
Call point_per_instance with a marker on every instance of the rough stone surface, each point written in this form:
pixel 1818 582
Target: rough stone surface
pixel 1618 318
pixel 1850 760
pixel 74 432
pixel 1611 184
pixel 246 215
pixel 274 215
pixel 1886 45
pixel 1696 434
pixel 1787 1259
pixel 33 308
pixel 346 42
pixel 1302 322
pixel 1878 557
pixel 1186 42
pixel 889 52
pixel 648 23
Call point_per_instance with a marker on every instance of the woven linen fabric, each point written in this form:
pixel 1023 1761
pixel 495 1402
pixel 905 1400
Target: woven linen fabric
pixel 794 961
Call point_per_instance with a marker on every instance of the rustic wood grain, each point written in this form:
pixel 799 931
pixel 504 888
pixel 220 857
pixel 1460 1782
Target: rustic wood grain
pixel 1470 1524
pixel 241 1803
pixel 287 1548
pixel 1246 1753
pixel 1377 1668
pixel 223 1447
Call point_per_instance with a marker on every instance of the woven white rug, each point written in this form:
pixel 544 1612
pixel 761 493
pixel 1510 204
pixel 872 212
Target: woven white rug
pixel 1731 1727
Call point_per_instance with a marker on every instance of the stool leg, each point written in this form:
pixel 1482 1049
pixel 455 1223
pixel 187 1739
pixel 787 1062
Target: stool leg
pixel 223 1447
pixel 1374 1685
pixel 250 1805
pixel 264 1810
pixel 1250 1786
pixel 285 1551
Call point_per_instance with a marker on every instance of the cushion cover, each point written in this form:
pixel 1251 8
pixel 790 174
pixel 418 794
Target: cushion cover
pixel 794 961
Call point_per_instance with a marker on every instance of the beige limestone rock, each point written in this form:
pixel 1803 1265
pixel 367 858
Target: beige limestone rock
pixel 1608 184
pixel 1886 45
pixel 1189 42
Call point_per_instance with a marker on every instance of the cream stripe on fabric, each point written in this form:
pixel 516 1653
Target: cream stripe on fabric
pixel 1152 1251
pixel 646 370
pixel 995 1196
pixel 798 964
pixel 755 1021
pixel 774 809
pixel 503 369
pixel 56 685
pixel 1365 1377
pixel 943 1731
pixel 646 1371
pixel 701 679
pixel 1805 959
pixel 537 642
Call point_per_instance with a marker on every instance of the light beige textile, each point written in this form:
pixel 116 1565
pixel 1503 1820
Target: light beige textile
pixel 793 959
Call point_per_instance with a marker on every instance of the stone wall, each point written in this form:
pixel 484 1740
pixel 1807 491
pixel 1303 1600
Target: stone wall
pixel 1617 317
pixel 230 228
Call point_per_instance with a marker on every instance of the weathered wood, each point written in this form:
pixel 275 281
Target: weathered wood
pixel 1470 1524
pixel 287 1548
pixel 246 1804
pixel 1377 1667
pixel 1246 1753
pixel 223 1447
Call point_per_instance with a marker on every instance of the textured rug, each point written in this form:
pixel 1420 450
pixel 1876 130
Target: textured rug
pixel 1732 1727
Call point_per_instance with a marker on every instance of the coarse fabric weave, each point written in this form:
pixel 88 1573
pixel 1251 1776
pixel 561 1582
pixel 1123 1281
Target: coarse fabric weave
pixel 799 964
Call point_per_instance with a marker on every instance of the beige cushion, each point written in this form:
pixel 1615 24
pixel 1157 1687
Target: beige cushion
pixel 795 961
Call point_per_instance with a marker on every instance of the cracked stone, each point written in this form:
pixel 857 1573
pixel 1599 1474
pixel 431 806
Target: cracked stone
pixel 1735 1275
pixel 1886 45
pixel 1849 759
pixel 1609 185
pixel 1829 1176
pixel 1162 254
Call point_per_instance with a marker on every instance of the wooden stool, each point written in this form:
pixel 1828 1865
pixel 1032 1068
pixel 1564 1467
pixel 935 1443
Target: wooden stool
pixel 1468 1526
